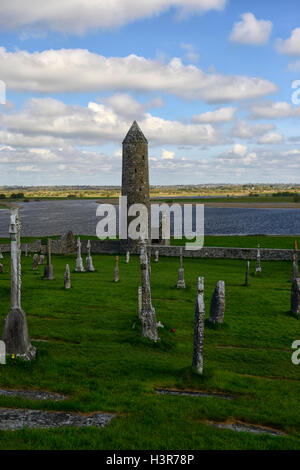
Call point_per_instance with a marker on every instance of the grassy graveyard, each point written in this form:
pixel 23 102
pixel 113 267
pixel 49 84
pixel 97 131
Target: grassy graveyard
pixel 92 351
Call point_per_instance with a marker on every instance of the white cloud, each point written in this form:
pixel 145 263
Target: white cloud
pixel 217 116
pixel 240 150
pixel 245 130
pixel 78 70
pixel 78 16
pixel 167 155
pixel 52 120
pixel 290 46
pixel 271 110
pixel 251 31
pixel 271 138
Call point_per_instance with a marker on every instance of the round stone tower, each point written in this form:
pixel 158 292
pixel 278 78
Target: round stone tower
pixel 135 174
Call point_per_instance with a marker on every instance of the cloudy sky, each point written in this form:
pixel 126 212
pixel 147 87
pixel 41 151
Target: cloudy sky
pixel 214 85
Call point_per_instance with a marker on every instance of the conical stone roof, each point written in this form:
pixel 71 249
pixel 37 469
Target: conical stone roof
pixel 135 134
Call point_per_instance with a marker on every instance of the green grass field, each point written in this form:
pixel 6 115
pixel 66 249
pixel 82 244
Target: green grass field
pixel 96 356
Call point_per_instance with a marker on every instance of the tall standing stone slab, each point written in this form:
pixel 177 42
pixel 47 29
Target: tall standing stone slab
pixel 26 250
pixel 116 271
pixel 67 278
pixel 15 333
pixel 148 315
pixel 135 176
pixel 156 256
pixel 79 264
pixel 181 281
pixel 295 297
pixel 48 271
pixel 1 255
pixel 247 273
pixel 127 259
pixel 199 328
pixel 89 261
pixel 217 307
pixel 258 269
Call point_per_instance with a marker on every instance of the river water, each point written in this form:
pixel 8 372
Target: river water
pixel 57 217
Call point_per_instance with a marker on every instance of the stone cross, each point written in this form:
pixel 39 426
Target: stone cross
pixel 295 297
pixel 217 307
pixel 117 272
pixel 247 273
pixel 148 315
pixel 140 300
pixel 258 266
pixel 79 265
pixel 199 328
pixel 1 255
pixel 35 262
pixel 67 278
pixel 156 256
pixel 127 256
pixel 89 261
pixel 15 333
pixel 181 281
pixel 48 271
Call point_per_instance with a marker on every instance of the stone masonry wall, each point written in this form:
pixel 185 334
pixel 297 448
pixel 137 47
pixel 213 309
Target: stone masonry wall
pixel 115 248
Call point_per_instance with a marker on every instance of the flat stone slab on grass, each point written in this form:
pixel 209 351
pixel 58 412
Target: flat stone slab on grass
pixel 32 394
pixel 15 419
pixel 188 393
pixel 244 427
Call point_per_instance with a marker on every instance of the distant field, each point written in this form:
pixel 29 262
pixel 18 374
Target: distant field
pixel 224 200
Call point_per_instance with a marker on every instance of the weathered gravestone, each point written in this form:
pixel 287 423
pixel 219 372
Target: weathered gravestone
pixel 89 261
pixel 127 259
pixel 26 250
pixel 35 262
pixel 295 273
pixel 217 307
pixel 295 297
pixel 181 281
pixel 1 255
pixel 247 273
pixel 199 327
pixel 156 259
pixel 148 315
pixel 15 333
pixel 67 278
pixel 67 244
pixel 41 260
pixel 116 271
pixel 258 269
pixel 79 264
pixel 48 271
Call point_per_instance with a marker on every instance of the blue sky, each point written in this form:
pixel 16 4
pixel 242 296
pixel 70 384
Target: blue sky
pixel 209 81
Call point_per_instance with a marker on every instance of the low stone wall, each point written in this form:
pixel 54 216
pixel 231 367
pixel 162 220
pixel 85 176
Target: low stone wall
pixel 116 247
